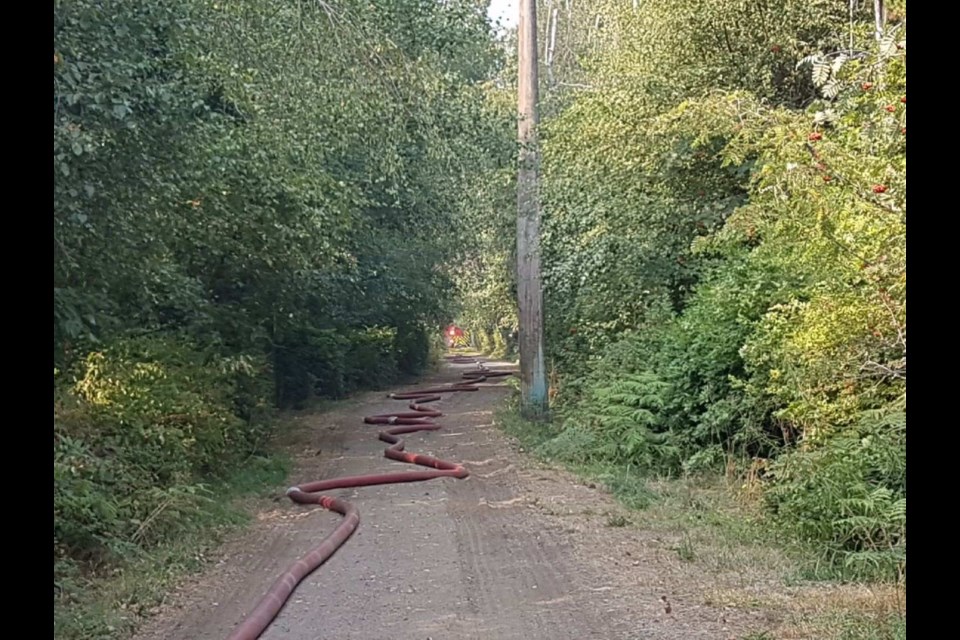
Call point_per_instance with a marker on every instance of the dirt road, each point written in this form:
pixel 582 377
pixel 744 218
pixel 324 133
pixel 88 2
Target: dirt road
pixel 516 551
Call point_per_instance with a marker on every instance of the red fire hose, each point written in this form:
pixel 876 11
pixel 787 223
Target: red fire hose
pixel 418 419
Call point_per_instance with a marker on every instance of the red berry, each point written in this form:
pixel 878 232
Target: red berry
pixel 826 178
pixel 903 99
pixel 775 48
pixel 891 108
pixel 816 135
pixel 866 86
pixel 903 131
pixel 879 188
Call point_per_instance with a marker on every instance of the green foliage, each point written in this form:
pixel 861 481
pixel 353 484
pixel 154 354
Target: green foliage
pixel 622 414
pixel 332 364
pixel 573 444
pixel 144 422
pixel 412 347
pixel 251 181
pixel 90 607
pixel 724 250
pixel 873 627
pixel 485 338
pixel 850 492
pixel 501 348
pixel 485 280
pixel 624 193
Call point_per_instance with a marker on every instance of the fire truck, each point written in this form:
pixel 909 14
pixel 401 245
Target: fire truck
pixel 454 337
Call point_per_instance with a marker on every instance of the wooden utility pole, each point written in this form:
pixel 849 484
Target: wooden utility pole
pixel 533 375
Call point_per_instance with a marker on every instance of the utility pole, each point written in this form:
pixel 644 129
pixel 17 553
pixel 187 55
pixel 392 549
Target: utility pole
pixel 533 375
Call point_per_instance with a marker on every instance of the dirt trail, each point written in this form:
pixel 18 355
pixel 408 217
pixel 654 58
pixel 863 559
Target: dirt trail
pixel 515 551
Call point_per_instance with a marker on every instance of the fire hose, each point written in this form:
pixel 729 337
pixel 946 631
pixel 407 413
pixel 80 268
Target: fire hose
pixel 417 419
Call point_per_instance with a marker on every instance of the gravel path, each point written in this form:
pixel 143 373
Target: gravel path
pixel 516 551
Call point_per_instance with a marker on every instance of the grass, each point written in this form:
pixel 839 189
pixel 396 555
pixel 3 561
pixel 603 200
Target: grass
pixel 112 605
pixel 617 520
pixel 722 533
pixel 627 486
pixel 834 612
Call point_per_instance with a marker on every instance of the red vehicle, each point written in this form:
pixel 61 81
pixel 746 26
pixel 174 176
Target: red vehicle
pixel 454 336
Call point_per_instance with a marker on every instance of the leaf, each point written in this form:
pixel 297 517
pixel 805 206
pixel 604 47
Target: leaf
pixel 821 72
pixel 888 45
pixel 838 63
pixel 831 90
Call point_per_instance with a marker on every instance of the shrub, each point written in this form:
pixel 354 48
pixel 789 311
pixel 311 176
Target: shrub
pixel 142 424
pixel 412 346
pixel 499 344
pixel 372 359
pixel 486 341
pixel 850 492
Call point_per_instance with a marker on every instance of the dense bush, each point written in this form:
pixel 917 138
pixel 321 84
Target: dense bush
pixel 139 427
pixel 500 348
pixel 331 363
pixel 413 346
pixel 222 170
pixel 850 492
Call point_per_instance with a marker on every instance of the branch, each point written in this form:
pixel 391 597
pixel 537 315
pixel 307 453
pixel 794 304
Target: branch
pixel 884 370
pixel 885 299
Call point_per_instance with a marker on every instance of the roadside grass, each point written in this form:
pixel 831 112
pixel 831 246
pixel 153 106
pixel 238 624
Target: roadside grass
pixel 111 606
pixel 722 531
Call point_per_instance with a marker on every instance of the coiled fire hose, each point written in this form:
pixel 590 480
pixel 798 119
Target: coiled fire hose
pixel 417 419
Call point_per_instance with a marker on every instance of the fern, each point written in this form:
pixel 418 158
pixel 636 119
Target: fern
pixel 888 44
pixel 849 492
pixel 831 89
pixel 623 414
pixel 838 63
pixel 822 72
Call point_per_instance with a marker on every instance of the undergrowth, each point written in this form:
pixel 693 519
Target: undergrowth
pixel 624 483
pixel 724 268
pixel 111 603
